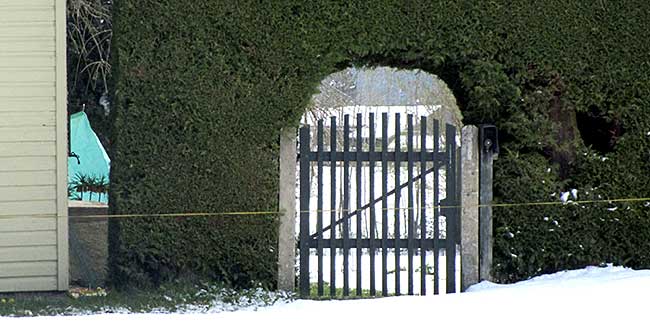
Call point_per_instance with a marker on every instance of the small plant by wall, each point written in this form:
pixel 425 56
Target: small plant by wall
pixel 94 188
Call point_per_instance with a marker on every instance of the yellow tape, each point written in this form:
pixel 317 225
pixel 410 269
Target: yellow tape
pixel 260 213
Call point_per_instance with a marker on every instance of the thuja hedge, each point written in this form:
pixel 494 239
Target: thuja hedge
pixel 203 87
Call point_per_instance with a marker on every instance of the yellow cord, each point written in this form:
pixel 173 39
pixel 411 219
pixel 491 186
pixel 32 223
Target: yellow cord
pixel 261 213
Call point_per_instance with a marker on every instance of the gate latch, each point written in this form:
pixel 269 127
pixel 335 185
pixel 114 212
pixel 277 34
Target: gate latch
pixel 489 138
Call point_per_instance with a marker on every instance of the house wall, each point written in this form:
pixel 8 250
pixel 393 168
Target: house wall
pixel 33 146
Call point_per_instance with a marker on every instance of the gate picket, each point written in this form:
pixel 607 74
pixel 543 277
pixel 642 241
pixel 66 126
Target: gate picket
pixel 359 205
pixel 384 204
pixel 332 228
pixel 319 214
pixel 423 205
pixel 373 219
pixel 436 210
pixel 398 236
pixel 450 213
pixel 411 225
pixel 346 205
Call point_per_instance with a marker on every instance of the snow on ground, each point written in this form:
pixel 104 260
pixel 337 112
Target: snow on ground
pixel 611 297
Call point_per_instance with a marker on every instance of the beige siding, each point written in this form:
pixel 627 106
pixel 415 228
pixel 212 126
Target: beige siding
pixel 29 60
pixel 22 118
pixel 21 15
pixel 44 283
pixel 26 208
pixel 26 29
pixel 27 149
pixel 42 268
pixel 10 75
pixel 33 146
pixel 26 178
pixel 27 253
pixel 21 193
pixel 29 46
pixel 32 163
pixel 26 89
pixel 28 104
pixel 26 4
pixel 34 134
pixel 27 224
pixel 42 238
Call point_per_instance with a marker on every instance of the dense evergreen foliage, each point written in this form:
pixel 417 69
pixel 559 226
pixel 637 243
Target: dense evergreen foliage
pixel 203 88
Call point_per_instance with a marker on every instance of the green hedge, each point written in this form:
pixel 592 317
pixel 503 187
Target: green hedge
pixel 202 89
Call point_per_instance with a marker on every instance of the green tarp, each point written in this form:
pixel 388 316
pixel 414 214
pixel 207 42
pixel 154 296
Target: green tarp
pixel 87 177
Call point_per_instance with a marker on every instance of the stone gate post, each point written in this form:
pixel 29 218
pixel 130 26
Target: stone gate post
pixel 469 200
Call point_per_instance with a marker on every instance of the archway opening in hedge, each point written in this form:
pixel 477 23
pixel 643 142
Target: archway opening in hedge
pixel 356 92
pixel 383 89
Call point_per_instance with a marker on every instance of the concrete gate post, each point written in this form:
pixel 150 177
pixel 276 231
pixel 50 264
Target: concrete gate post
pixel 287 205
pixel 469 206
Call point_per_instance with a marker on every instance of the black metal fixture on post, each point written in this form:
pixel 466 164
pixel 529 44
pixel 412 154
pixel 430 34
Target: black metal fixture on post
pixel 70 153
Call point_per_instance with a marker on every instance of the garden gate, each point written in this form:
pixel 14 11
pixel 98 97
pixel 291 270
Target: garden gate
pixel 386 210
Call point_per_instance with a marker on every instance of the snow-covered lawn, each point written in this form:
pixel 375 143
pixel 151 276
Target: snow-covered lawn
pixel 611 297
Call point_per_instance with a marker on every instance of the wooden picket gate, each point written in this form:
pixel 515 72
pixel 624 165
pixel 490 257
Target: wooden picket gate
pixel 375 167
